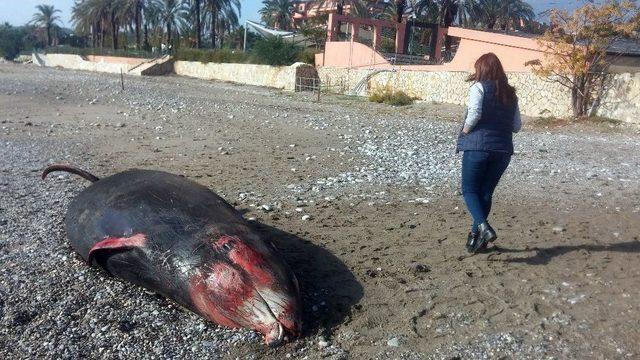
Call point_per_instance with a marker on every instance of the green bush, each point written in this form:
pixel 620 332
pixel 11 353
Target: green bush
pixel 217 55
pixel 191 55
pixel 390 97
pixel 11 41
pixel 399 98
pixel 387 46
pixel 274 51
pixel 85 51
pixel 308 56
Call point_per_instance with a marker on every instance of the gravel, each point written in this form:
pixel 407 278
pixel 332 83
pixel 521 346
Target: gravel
pixel 54 306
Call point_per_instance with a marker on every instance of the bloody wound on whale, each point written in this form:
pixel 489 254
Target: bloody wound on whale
pixel 179 239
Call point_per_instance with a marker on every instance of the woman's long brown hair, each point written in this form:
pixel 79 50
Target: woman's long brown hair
pixel 489 68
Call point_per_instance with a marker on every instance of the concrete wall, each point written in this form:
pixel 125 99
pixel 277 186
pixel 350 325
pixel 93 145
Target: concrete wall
pixel 280 77
pixel 513 51
pixel 77 62
pixel 350 54
pixel 537 97
pixel 109 64
pixel 116 60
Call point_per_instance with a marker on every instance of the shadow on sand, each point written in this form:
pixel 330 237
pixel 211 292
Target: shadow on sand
pixel 544 255
pixel 328 288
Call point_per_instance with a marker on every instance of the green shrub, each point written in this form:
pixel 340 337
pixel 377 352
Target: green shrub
pixel 11 41
pixel 390 97
pixel 274 51
pixel 387 46
pixel 399 98
pixel 86 51
pixel 308 56
pixel 217 55
pixel 379 95
pixel 191 55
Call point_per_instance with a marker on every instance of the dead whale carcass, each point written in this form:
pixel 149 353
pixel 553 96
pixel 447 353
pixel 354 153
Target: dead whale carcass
pixel 179 239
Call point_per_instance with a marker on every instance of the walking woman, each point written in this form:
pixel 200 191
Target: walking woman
pixel 487 142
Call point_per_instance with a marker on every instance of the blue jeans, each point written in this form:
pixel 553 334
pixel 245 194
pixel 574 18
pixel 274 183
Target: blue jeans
pixel 481 172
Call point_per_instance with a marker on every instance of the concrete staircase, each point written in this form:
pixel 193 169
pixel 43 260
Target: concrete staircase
pixel 154 67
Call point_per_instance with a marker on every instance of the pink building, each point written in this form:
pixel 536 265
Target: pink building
pixel 381 44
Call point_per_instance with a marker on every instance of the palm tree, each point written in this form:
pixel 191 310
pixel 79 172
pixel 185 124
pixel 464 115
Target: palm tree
pixel 131 12
pixel 443 12
pixel 467 13
pixel 228 19
pixel 173 13
pixel 501 12
pixel 117 16
pixel 138 20
pixel 278 13
pixel 223 16
pixel 394 10
pixel 151 15
pixel 92 16
pixel 197 6
pixel 100 15
pixel 47 18
pixel 371 9
pixel 83 23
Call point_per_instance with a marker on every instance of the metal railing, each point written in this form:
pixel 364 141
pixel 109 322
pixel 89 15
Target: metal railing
pixel 312 84
pixel 403 59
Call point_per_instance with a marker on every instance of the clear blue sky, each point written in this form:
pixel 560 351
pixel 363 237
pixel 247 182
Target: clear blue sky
pixel 19 12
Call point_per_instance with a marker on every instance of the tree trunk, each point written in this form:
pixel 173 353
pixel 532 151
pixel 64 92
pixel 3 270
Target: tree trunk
pixel 114 30
pixel 578 99
pixel 601 84
pixel 94 34
pixel 214 16
pixel 114 35
pixel 138 21
pixel 168 34
pixel 198 26
pixel 48 35
pixel 574 103
pixel 146 36
pixel 103 34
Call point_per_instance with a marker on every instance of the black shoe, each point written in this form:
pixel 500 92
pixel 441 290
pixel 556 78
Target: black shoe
pixel 472 239
pixel 487 235
pixel 487 232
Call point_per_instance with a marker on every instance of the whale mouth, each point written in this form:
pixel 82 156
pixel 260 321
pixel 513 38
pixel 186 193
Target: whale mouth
pixel 229 296
pixel 276 337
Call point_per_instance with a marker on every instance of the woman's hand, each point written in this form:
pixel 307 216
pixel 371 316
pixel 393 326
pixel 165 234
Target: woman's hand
pixel 466 130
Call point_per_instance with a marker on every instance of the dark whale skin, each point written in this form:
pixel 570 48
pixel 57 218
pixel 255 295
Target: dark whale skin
pixel 179 239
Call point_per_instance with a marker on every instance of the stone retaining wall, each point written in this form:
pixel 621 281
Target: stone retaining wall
pixel 537 96
pixel 108 64
pixel 280 77
pixel 622 100
pixel 77 62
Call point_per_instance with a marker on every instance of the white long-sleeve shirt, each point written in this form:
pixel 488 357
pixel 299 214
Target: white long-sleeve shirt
pixel 474 109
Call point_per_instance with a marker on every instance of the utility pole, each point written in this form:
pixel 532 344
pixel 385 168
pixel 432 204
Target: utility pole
pixel 244 46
